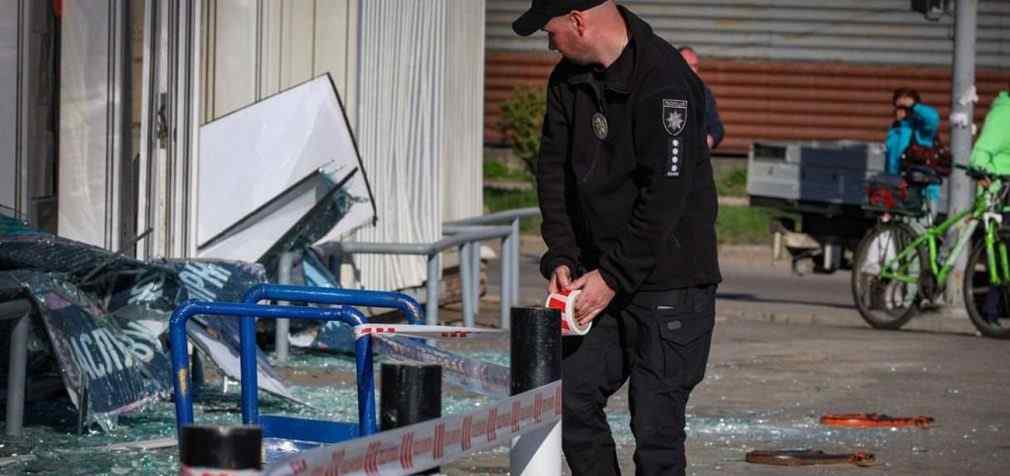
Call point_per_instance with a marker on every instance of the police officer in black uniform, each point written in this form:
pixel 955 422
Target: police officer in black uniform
pixel 629 206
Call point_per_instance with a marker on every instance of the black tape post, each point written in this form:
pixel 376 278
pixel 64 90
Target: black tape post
pixel 221 447
pixel 536 347
pixel 411 393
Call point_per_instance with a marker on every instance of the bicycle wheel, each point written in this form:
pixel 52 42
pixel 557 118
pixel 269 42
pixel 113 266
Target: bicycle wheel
pixel 886 303
pixel 988 304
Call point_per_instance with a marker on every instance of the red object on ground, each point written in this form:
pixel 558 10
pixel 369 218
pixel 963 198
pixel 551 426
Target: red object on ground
pixel 809 458
pixel 875 420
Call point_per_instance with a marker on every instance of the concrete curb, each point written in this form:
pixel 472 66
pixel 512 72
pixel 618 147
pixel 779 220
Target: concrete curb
pixel 926 321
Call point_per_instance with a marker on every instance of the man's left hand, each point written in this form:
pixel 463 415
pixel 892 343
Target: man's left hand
pixel 595 297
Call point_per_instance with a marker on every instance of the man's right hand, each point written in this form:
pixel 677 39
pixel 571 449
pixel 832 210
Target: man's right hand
pixel 561 279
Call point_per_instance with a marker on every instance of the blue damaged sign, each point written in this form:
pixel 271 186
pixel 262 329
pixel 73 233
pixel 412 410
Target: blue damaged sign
pixel 100 361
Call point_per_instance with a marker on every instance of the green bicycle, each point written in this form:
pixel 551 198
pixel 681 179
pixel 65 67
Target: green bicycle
pixel 898 264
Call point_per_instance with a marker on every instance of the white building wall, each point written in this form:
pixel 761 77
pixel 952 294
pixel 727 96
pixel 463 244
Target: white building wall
pixel 10 32
pixel 411 75
pixel 256 48
pixel 94 120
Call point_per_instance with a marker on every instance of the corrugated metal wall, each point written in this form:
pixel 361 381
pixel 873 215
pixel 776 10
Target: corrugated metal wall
pixel 852 31
pixel 462 174
pixel 786 69
pixel 402 131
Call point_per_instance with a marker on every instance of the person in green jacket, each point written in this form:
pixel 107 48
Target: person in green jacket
pixel 992 153
pixel 992 149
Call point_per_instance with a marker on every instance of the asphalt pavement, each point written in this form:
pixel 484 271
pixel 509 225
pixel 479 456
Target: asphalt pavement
pixel 789 349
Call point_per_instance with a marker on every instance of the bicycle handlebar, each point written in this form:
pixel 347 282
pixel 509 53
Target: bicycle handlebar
pixel 978 173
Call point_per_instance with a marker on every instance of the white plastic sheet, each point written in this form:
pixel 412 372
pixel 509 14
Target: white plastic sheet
pixel 262 168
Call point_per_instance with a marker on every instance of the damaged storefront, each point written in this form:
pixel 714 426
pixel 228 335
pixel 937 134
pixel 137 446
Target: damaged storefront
pixel 160 151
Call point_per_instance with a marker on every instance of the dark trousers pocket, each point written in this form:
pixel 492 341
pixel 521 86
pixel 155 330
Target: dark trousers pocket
pixel 686 339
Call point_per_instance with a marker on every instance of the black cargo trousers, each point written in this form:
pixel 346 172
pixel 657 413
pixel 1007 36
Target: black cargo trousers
pixel 660 340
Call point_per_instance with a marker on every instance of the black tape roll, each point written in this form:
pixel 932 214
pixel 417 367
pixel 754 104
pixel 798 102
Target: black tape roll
pixel 536 347
pixel 221 447
pixel 411 393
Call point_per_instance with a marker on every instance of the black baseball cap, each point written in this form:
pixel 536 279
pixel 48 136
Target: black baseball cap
pixel 541 12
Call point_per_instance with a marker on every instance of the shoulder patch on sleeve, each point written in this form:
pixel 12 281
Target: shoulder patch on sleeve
pixel 674 116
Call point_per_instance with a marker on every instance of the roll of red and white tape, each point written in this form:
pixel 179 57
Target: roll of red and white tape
pixel 565 302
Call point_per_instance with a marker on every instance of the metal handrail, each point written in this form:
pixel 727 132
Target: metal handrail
pixel 498 217
pixel 461 234
pixel 462 238
pixel 468 236
pixel 510 289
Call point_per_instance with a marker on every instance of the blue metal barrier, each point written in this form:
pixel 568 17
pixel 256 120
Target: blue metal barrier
pixel 350 297
pixel 273 426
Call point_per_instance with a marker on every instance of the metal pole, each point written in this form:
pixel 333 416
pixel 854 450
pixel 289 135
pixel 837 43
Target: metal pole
pixel 505 290
pixel 284 266
pixel 411 393
pixel 431 307
pixel 475 265
pixel 514 262
pixel 220 449
pixel 506 265
pixel 536 361
pixel 962 113
pixel 336 263
pixel 16 371
pixel 466 282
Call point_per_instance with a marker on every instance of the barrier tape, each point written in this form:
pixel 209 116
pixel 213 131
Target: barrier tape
pixel 192 471
pixel 432 443
pixel 417 330
pixel 471 374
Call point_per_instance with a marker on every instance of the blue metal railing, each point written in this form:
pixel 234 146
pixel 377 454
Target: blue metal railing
pixel 276 427
pixel 337 296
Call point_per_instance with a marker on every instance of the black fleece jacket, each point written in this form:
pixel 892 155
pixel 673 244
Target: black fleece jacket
pixel 624 177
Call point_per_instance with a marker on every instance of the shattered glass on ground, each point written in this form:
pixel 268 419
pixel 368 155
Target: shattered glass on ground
pixel 56 449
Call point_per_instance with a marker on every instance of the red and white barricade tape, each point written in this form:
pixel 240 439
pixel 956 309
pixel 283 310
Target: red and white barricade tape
pixel 191 471
pixel 417 330
pixel 475 375
pixel 432 443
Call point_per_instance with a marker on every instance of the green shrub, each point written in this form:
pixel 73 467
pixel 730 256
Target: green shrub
pixel 498 200
pixel 732 182
pixel 743 225
pixel 522 121
pixel 499 171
